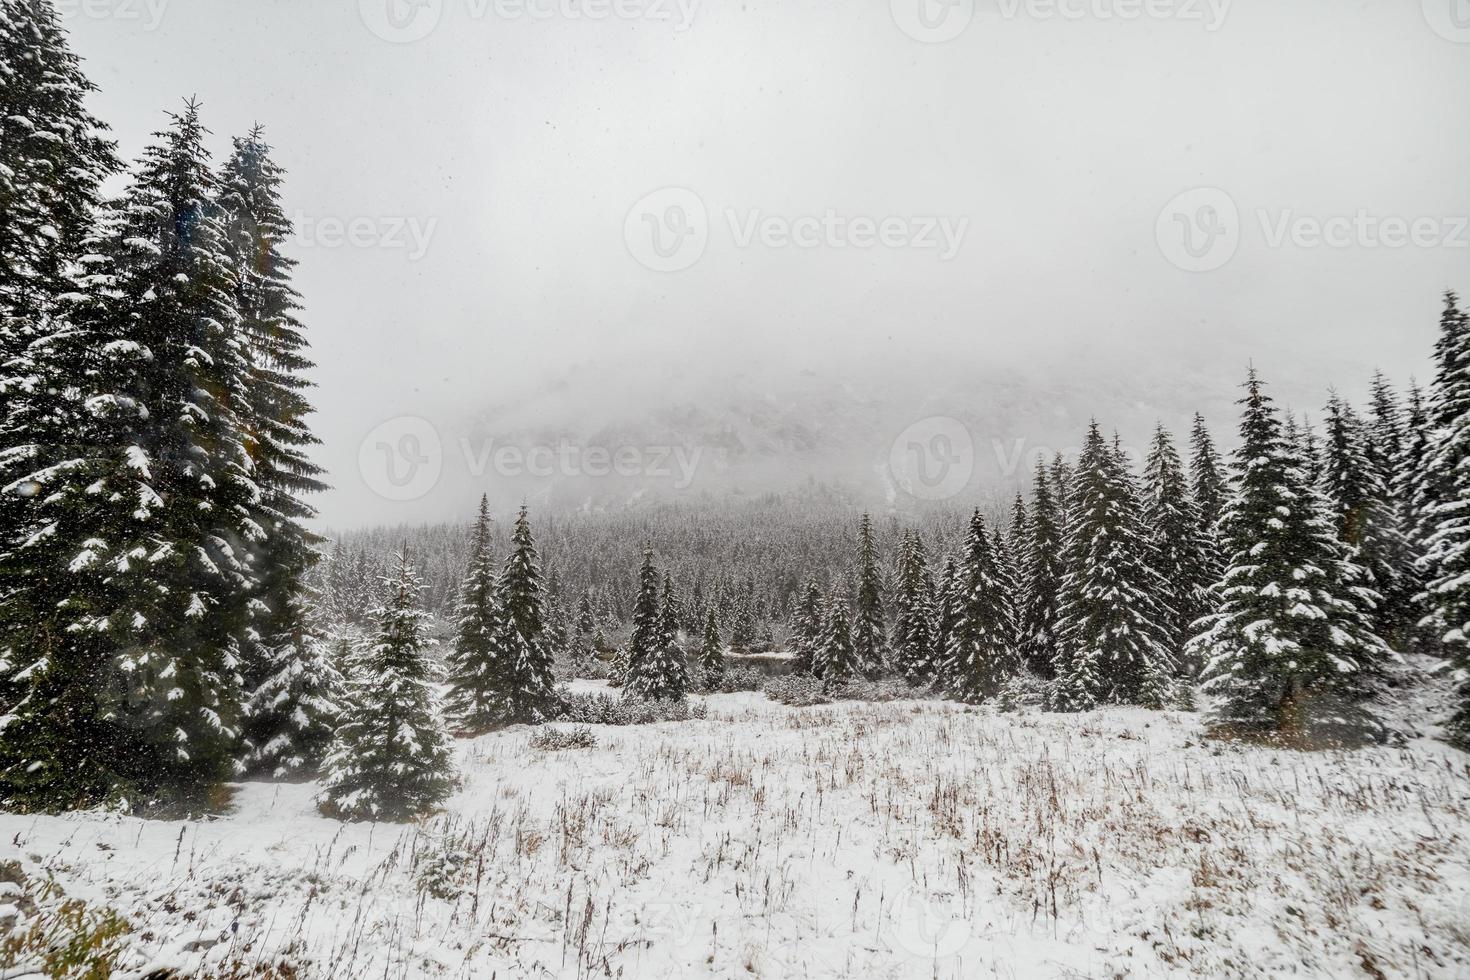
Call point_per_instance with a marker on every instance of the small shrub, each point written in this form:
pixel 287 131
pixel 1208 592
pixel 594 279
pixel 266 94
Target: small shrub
pixel 555 740
pixel 599 709
pixel 860 689
pixel 60 938
pixel 1024 691
pixel 796 691
pixel 732 680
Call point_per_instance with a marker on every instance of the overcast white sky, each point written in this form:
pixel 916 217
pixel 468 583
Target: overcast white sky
pixel 519 144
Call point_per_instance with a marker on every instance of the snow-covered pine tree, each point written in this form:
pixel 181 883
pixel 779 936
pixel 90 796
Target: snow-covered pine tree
pixel 391 759
pixel 1210 492
pixel 838 655
pixel 807 627
pixel 1040 570
pixel 483 667
pixel 712 651
pixel 1442 496
pixel 137 529
pixel 1110 646
pixel 1368 522
pixel 1185 574
pixel 1293 627
pixel 981 655
pixel 299 702
pixel 914 653
pixel 54 157
pixel 869 629
pixel 655 670
pixel 277 435
pixel 534 696
pixel 948 592
pixel 669 613
pixel 557 634
pixel 1008 575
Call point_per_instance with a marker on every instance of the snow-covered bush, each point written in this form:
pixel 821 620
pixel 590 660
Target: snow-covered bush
pixel 1024 691
pixel 599 709
pixel 557 739
pixel 796 690
pixel 732 680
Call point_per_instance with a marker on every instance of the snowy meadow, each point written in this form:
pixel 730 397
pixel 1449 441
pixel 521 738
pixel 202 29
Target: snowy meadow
pixel 901 839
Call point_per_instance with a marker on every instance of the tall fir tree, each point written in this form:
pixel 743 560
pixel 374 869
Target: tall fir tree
pixel 807 627
pixel 948 594
pixel 1111 648
pixel 711 651
pixel 1293 628
pixel 299 703
pixel 1210 491
pixel 1185 572
pixel 1040 569
pixel 981 655
pixel 534 697
pixel 274 420
pixel 1368 522
pixel 391 760
pixel 484 666
pixel 1442 501
pixel 134 566
pixel 914 653
pixel 656 670
pixel 869 629
pixel 838 653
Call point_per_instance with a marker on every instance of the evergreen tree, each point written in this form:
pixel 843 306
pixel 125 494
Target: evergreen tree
pixel 1111 647
pixel 534 697
pixel 1040 571
pixel 1209 493
pixel 670 611
pixel 299 702
pixel 807 628
pixel 54 157
pixel 1442 496
pixel 1293 627
pixel 655 670
pixel 273 420
pixel 869 630
pixel 915 654
pixel 391 760
pixel 838 657
pixel 712 651
pixel 132 580
pixel 483 668
pixel 1185 573
pixel 981 654
pixel 948 595
pixel 1368 522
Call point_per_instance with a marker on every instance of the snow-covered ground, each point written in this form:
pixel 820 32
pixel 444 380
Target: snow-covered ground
pixel 910 839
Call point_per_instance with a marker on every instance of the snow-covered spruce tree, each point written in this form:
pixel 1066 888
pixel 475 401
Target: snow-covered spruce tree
pixel 54 157
pixel 1061 488
pixel 557 635
pixel 838 656
pixel 277 434
pixel 1368 522
pixel 483 668
pixel 138 529
pixel 1040 570
pixel 948 592
pixel 1008 575
pixel 534 696
pixel 1186 575
pixel 299 703
pixel 981 654
pixel 712 651
pixel 656 670
pixel 1292 630
pixel 1442 496
pixel 914 654
pixel 1210 492
pixel 669 612
pixel 1110 647
pixel 391 760
pixel 869 629
pixel 807 627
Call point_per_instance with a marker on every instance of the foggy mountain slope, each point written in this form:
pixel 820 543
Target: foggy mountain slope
pixel 734 435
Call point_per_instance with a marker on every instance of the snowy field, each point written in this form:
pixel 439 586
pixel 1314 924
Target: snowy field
pixel 911 839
